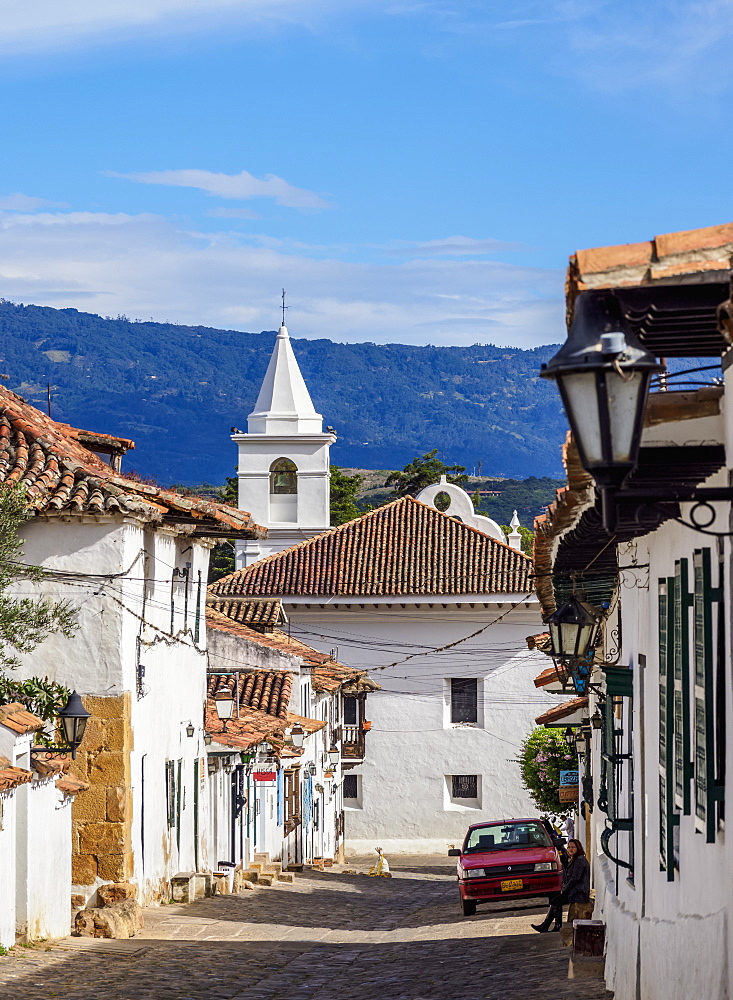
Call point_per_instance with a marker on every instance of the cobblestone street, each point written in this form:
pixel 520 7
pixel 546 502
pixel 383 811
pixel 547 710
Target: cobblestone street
pixel 334 936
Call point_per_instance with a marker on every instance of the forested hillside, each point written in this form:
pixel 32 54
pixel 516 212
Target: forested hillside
pixel 177 391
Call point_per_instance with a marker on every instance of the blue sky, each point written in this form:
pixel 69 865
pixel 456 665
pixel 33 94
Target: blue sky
pixel 410 171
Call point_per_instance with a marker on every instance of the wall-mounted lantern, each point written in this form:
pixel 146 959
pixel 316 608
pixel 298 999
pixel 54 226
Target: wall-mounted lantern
pixel 73 718
pixel 574 629
pixel 603 374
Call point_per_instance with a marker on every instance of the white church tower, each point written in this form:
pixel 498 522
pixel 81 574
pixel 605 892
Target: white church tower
pixel 284 468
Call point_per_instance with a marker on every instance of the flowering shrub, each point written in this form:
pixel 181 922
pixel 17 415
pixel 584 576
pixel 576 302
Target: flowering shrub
pixel 544 754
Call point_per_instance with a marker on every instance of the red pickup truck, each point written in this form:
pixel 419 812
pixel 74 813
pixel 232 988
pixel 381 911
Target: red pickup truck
pixel 506 859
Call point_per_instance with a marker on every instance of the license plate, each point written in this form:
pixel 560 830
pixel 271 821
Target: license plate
pixel 512 883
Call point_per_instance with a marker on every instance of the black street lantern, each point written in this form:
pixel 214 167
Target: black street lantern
pixel 74 719
pixel 569 736
pixel 603 375
pixel 573 629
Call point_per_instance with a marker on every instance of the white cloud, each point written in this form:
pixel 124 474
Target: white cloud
pixel 25 203
pixel 232 213
pixel 235 187
pixel 143 266
pixel 453 246
pixel 49 24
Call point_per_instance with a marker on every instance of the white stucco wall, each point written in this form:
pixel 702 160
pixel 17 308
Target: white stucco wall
pixel 122 582
pixel 665 940
pixel 8 860
pixel 44 861
pixel 412 746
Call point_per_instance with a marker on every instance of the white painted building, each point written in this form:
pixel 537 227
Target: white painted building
pixel 35 834
pixel 296 814
pixel 659 777
pixel 133 560
pixel 435 605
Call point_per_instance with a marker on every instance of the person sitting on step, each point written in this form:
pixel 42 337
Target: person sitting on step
pixel 575 887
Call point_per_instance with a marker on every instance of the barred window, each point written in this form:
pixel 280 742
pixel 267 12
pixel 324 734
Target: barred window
pixel 463 699
pixel 351 786
pixel 465 786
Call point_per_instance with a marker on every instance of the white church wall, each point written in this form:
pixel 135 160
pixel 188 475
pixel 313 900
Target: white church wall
pixel 411 750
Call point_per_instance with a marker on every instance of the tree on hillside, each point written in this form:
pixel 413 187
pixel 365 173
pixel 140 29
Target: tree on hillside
pixel 424 471
pixel 26 621
pixel 344 492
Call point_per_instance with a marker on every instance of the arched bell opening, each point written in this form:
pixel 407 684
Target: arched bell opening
pixel 283 491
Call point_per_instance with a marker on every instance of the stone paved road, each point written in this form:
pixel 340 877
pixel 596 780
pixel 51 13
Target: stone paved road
pixel 333 936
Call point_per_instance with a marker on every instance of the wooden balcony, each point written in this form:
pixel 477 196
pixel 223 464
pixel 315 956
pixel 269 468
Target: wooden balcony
pixel 352 742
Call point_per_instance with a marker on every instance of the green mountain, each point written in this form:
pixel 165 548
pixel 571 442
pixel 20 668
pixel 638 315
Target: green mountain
pixel 177 391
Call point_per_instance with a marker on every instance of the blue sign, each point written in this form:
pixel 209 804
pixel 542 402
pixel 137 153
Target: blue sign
pixel 568 778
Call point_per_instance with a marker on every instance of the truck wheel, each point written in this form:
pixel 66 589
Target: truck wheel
pixel 469 907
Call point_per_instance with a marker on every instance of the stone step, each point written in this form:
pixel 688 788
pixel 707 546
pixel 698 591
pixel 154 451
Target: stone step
pixel 274 868
pixel 266 879
pixel 262 857
pixel 257 866
pixel 286 877
pixel 251 875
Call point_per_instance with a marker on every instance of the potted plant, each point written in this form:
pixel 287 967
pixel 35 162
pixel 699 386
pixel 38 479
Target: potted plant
pixel 366 725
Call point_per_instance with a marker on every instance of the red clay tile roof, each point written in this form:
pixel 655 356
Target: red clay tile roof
pixel 563 711
pixel 49 764
pixel 404 547
pixel 691 251
pixel 253 727
pixel 11 777
pixel 326 674
pixel 263 690
pixel 17 717
pixel 540 641
pixel 548 676
pixel 62 477
pixel 257 613
pixel 71 785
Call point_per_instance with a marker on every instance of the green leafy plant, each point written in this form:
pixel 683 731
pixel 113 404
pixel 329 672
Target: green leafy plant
pixel 41 696
pixel 543 756
pixel 422 471
pixel 26 621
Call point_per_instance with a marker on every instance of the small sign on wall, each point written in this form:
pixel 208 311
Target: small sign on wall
pixel 568 786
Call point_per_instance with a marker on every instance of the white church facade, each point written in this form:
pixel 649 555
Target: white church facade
pixel 433 603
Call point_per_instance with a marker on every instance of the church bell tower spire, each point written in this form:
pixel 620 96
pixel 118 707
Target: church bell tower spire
pixel 284 460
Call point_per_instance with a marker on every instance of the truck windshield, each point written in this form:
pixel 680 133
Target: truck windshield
pixel 506 836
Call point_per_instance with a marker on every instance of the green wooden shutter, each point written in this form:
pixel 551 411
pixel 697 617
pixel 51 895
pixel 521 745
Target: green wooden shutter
pixel 668 818
pixel 706 789
pixel 683 766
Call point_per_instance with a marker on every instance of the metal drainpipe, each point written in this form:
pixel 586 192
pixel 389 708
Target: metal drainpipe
pixel 641 792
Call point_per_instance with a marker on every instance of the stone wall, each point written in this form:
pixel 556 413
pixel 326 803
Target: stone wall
pixel 102 832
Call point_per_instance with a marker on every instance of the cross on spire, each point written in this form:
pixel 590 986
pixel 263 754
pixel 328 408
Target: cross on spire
pixel 284 307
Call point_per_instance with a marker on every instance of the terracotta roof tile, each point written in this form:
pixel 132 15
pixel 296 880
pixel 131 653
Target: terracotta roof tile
pixel 404 547
pixel 263 690
pixel 548 676
pixel 253 727
pixel 255 612
pixel 326 674
pixel 540 641
pixel 47 765
pixel 62 476
pixel 17 717
pixel 71 785
pixel 690 251
pixel 559 712
pixel 12 777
